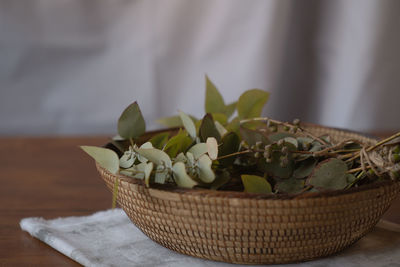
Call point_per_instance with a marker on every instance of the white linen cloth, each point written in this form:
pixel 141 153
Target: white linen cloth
pixel 109 238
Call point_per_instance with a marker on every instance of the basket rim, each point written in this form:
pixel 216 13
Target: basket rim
pixel 245 195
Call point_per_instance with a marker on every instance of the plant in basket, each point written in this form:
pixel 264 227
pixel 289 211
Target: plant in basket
pixel 282 186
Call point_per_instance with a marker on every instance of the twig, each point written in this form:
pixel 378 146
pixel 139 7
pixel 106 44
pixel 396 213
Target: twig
pixel 234 154
pixel 308 187
pixel 376 145
pixel 358 169
pixel 266 119
pixel 383 141
pixel 347 151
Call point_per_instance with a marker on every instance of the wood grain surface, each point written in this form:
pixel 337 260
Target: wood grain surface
pixel 44 177
pixel 51 177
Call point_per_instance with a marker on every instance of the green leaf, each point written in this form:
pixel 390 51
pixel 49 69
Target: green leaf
pixel 278 136
pixel 198 124
pixel 212 148
pixel 214 101
pixel 159 140
pixel 182 179
pixel 229 144
pixel 131 123
pixel 127 160
pixel 220 180
pixel 234 125
pixel 106 158
pixel 290 186
pixel 221 129
pixel 352 145
pixel 304 143
pixel 198 150
pixel 129 172
pixel 220 117
pixel 292 141
pixel 230 109
pixel 156 156
pixel 161 175
pixel 252 136
pixel 255 184
pixel 178 143
pixel 326 138
pixel 190 160
pixel 146 169
pixel 173 121
pixel 276 170
pixel 253 125
pixel 188 124
pixel 206 174
pixel 251 103
pixel 329 174
pixel 208 129
pixel 145 145
pixel 350 178
pixel 117 146
pixel 314 147
pixel 274 167
pixel 180 157
pixel 304 168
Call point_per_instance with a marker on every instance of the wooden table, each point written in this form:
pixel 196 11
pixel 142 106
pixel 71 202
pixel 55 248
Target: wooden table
pixel 44 177
pixel 52 177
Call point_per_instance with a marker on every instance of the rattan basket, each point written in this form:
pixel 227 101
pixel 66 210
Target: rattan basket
pixel 243 228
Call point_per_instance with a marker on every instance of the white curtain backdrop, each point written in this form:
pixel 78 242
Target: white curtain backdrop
pixel 71 66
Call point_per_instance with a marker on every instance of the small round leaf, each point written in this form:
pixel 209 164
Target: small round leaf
pixel 182 179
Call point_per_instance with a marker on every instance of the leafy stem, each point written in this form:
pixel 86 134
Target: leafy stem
pixel 266 120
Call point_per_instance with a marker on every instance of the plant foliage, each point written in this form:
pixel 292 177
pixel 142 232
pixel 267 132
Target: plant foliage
pixel 246 153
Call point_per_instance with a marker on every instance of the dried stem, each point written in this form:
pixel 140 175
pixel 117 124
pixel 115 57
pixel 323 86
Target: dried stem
pixel 305 189
pixel 390 138
pixel 383 141
pixel 266 119
pixel 234 154
pixel 358 169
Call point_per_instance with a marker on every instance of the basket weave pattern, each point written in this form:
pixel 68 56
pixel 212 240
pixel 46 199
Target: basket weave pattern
pixel 252 229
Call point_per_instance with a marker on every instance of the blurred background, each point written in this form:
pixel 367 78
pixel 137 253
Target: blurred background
pixel 69 67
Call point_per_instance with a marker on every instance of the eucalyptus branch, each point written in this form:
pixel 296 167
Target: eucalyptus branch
pixel 235 154
pixel 287 124
pixel 281 161
pixel 332 148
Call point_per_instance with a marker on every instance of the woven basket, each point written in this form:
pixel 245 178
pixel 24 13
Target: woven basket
pixel 244 228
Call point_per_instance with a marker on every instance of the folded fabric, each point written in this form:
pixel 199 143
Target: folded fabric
pixel 109 238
